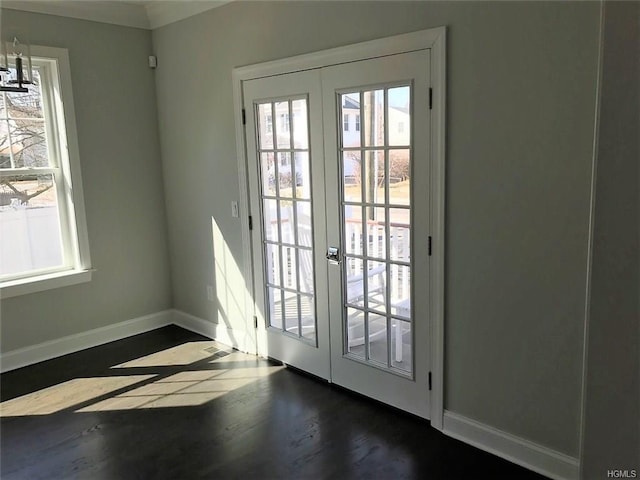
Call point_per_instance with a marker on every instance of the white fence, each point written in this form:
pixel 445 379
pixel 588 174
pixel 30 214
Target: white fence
pixel 29 239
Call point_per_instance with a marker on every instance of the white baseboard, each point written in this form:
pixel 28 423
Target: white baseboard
pixel 73 343
pixel 237 339
pixel 510 447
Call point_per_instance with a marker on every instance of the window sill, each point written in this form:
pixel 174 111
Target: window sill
pixel 24 286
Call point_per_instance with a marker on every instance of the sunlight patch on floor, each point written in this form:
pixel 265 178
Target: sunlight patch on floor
pixel 184 354
pixel 65 395
pixel 184 389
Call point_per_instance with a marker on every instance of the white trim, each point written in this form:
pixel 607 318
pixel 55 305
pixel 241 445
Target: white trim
pixel 245 211
pixel 80 341
pixel 237 339
pixel 518 450
pixel 437 227
pixel 592 206
pixel 434 39
pixel 40 283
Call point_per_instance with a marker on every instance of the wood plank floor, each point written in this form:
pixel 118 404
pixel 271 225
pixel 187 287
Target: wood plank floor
pixel 170 404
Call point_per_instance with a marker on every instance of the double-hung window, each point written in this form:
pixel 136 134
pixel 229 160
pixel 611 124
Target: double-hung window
pixel 43 235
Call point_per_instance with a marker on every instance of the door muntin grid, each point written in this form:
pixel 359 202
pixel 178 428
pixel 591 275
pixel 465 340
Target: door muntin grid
pixel 286 208
pixel 375 203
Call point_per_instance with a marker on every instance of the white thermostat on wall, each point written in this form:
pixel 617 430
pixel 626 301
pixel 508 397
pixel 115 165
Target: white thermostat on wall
pixel 153 61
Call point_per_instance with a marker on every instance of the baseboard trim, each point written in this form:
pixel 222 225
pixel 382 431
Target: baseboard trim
pixel 73 343
pixel 221 333
pixel 510 447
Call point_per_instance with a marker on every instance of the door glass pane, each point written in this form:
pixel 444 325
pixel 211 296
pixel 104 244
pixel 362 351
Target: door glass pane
pixel 399 177
pixel 399 115
pixel 373 113
pixel 350 106
pixel 376 203
pixel 287 224
pixel 274 304
pixel 268 172
pixel 303 177
pixel 353 230
pixel 283 125
pixel 378 338
pixel 374 176
pixel 355 332
pixel 273 264
pixel 300 130
pixel 270 214
pixel 285 174
pixel 401 354
pixel 352 176
pixel 265 130
pixel 400 234
pixel 355 281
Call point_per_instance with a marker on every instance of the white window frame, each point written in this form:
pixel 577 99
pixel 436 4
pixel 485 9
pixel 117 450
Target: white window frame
pixel 345 122
pixel 62 136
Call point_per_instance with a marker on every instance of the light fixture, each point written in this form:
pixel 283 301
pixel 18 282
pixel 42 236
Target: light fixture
pixel 18 52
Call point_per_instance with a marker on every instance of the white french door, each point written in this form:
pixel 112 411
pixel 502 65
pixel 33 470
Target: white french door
pixel 339 178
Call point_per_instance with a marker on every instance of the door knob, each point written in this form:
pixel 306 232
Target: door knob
pixel 333 255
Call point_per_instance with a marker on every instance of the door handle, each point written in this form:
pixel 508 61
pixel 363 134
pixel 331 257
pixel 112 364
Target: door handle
pixel 333 255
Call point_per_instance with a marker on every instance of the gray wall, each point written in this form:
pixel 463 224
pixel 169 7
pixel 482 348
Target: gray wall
pixel 521 79
pixel 114 95
pixel 612 421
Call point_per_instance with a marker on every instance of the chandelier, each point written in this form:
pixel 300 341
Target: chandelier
pixel 12 67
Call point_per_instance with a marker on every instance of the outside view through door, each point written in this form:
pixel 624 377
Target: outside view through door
pixel 286 212
pixel 376 180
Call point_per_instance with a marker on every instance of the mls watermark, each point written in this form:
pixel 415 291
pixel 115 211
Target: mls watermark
pixel 617 473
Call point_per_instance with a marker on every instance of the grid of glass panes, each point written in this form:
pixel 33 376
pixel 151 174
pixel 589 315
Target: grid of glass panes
pixel 283 149
pixel 376 227
pixel 29 202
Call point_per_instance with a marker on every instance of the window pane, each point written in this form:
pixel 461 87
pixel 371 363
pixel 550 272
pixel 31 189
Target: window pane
pixel 28 143
pixel 376 233
pixel 305 265
pixel 399 177
pixel 26 105
pixel 304 226
pixel 399 115
pixel 5 145
pixel 373 113
pixel 29 224
pixel 289 267
pixel 300 131
pixel 350 106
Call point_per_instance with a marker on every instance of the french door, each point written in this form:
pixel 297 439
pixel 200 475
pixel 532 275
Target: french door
pixel 338 161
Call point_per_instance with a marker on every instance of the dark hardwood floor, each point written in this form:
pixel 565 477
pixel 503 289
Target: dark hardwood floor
pixel 171 404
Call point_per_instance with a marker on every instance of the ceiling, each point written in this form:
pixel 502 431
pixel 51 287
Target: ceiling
pixel 148 14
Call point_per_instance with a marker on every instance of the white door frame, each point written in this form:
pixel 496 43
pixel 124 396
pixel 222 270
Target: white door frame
pixel 433 39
